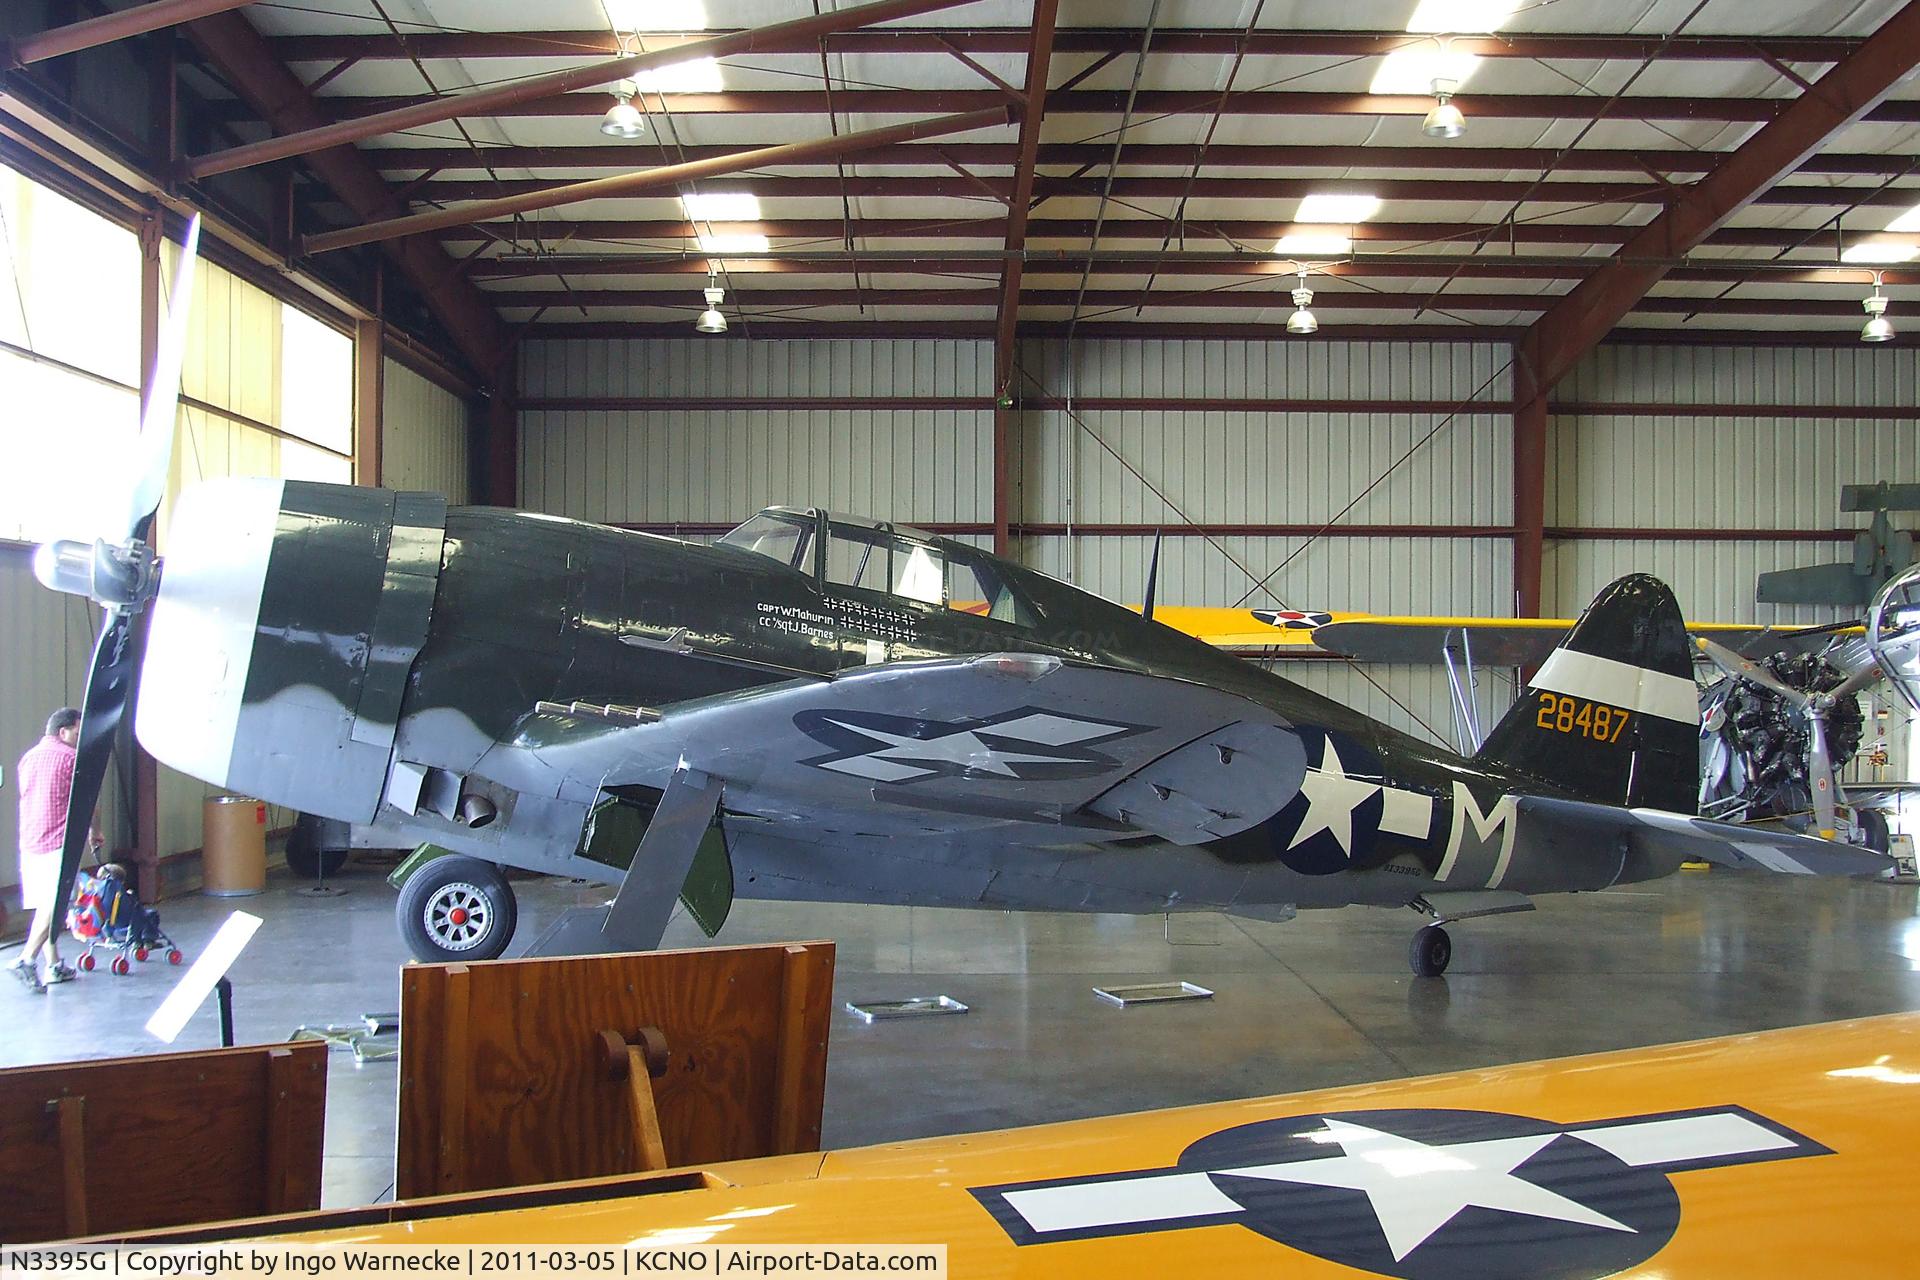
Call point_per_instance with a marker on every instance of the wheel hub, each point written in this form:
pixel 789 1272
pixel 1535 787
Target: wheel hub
pixel 457 916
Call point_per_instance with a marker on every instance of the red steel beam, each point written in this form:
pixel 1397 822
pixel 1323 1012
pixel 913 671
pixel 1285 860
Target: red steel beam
pixel 983 329
pixel 1014 40
pixel 982 188
pixel 243 59
pixel 1001 155
pixel 109 27
pixel 365 117
pixel 482 102
pixel 1847 337
pixel 550 197
pixel 1019 205
pixel 988 296
pixel 1504 267
pixel 1257 236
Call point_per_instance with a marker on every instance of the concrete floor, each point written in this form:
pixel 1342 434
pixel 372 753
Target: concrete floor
pixel 1322 1000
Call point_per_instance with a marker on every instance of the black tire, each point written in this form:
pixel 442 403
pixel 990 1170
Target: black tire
pixel 1875 834
pixel 307 853
pixel 1431 952
pixel 456 908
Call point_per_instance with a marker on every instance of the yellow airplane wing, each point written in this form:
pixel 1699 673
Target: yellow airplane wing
pixel 1781 1154
pixel 1494 642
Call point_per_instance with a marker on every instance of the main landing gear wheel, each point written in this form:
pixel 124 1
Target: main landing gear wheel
pixel 1432 950
pixel 456 908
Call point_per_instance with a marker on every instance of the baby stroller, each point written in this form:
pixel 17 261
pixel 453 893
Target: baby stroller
pixel 106 912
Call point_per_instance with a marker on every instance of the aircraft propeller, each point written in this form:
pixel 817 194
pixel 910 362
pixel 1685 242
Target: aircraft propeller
pixel 1813 704
pixel 120 575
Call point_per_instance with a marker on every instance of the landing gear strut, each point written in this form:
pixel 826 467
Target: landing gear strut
pixel 1431 951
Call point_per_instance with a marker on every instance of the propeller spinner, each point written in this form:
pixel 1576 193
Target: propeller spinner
pixel 121 576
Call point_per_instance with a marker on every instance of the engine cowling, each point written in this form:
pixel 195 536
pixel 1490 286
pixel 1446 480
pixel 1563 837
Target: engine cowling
pixel 288 617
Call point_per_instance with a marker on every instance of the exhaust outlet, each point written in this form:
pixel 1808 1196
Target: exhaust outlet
pixel 477 811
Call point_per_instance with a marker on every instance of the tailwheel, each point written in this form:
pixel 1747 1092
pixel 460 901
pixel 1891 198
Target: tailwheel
pixel 1432 950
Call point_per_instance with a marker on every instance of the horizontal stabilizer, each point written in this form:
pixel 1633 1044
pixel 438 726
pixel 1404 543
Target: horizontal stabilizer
pixel 1655 837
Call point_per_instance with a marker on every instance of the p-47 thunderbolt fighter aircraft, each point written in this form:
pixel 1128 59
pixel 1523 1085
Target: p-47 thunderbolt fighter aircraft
pixel 837 709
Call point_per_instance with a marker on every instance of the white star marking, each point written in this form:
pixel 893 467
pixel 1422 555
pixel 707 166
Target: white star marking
pixel 903 756
pixel 1416 1188
pixel 1331 799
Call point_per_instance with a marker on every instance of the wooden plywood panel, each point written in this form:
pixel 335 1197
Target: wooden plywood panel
pixel 503 1078
pixel 127 1144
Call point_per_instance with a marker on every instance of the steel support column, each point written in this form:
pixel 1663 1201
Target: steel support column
pixel 1020 202
pixel 1529 505
pixel 109 27
pixel 369 393
pixel 144 793
pixel 480 102
pixel 502 444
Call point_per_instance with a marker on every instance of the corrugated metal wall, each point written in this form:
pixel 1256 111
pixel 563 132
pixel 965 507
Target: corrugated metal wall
pixel 664 465
pixel 1617 461
pixel 425 436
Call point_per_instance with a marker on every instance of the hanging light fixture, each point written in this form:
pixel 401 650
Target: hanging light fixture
pixel 1877 328
pixel 711 321
pixel 1302 321
pixel 1445 120
pixel 623 119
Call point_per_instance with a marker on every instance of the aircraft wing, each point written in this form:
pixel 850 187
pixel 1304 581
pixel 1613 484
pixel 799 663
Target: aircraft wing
pixel 942 745
pixel 1661 836
pixel 1772 1155
pixel 1495 642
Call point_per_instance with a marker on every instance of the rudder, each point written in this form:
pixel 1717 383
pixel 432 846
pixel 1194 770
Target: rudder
pixel 1613 715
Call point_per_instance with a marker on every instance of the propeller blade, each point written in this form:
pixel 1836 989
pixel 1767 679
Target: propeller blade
pixel 153 452
pixel 1747 669
pixel 1854 683
pixel 109 693
pixel 1820 778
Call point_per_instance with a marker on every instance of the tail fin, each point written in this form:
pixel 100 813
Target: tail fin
pixel 1612 716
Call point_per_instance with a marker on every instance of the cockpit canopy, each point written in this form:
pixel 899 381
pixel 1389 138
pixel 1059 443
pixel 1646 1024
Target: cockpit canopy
pixel 885 559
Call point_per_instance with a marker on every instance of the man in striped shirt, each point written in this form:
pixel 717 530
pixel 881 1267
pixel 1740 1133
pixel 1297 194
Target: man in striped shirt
pixel 46 782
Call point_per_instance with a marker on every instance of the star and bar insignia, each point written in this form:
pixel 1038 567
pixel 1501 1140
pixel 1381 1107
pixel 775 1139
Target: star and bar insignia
pixel 1419 1194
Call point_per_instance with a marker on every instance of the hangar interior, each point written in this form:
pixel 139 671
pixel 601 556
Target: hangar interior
pixel 1613 327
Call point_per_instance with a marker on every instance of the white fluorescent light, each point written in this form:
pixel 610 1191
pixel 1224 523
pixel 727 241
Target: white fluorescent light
pixel 1461 17
pixel 1414 70
pixel 1312 245
pixel 722 206
pixel 1879 253
pixel 656 15
pixel 702 75
pixel 1336 209
pixel 732 243
pixel 1908 221
pixel 186 996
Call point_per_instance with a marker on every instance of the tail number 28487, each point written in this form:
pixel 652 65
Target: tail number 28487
pixel 1593 720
